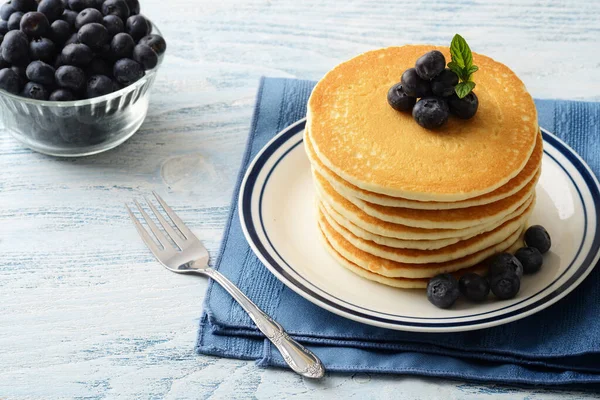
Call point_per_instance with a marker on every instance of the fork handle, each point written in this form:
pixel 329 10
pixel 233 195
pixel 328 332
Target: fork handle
pixel 299 358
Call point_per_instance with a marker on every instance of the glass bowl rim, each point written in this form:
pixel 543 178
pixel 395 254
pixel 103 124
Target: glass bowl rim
pixel 94 100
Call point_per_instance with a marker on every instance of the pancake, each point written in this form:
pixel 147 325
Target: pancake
pixel 348 190
pixel 358 136
pixel 395 269
pixel 400 243
pixel 455 251
pixel 388 229
pixel 403 283
pixel 395 230
pixel 458 218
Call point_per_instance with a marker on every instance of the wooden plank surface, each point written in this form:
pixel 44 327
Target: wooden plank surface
pixel 85 312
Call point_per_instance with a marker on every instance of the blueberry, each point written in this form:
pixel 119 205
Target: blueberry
pixel 538 237
pixel 411 82
pixel 52 9
pixel 442 290
pixel 464 108
pixel 72 131
pixel 3 28
pixel 431 112
pixel 24 5
pixel 396 97
pixel 474 287
pixel 9 81
pixel 505 262
pixel 113 24
pixel 443 84
pixel 159 45
pixel 40 72
pixel 137 26
pixel 21 72
pixel 530 258
pixel 134 6
pixel 15 48
pixel 127 71
pixel 105 54
pixel 116 7
pixel 35 91
pixel 60 31
pixel 99 85
pixel 3 62
pixel 59 61
pixel 97 4
pixel 88 16
pixel 77 54
pixel 430 65
pixel 70 17
pixel 121 46
pixel 80 5
pixel 35 24
pixel 98 66
pixel 14 22
pixel 42 49
pixel 93 35
pixel 62 95
pixel 69 77
pixel 145 56
pixel 73 39
pixel 505 286
pixel 6 11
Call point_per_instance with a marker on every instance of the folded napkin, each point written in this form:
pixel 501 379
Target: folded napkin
pixel 558 346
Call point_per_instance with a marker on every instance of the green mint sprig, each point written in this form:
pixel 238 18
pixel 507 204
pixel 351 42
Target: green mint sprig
pixel 462 65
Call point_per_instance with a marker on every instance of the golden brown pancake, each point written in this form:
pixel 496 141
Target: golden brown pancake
pixel 395 269
pixel 347 189
pixel 389 229
pixel 359 137
pixel 447 224
pixel 457 250
pixel 401 243
pixel 458 218
pixel 404 283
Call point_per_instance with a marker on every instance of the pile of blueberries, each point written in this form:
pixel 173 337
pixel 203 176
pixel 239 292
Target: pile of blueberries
pixel 64 50
pixel 427 90
pixel 504 274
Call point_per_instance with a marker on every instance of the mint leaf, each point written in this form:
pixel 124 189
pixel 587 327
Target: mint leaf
pixel 462 65
pixel 472 68
pixel 455 68
pixel 452 65
pixel 460 52
pixel 464 88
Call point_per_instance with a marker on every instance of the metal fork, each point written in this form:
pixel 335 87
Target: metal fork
pixel 191 257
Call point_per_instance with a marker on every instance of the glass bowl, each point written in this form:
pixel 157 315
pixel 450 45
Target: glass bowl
pixel 82 127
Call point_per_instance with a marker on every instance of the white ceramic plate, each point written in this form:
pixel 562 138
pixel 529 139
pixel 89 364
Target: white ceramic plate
pixel 277 211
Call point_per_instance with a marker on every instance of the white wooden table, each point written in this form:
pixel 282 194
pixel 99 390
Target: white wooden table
pixel 86 312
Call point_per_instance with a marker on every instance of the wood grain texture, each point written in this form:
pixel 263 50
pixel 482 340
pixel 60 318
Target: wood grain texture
pixel 85 311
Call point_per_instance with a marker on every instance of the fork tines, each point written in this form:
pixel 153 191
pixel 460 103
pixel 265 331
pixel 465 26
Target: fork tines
pixel 178 238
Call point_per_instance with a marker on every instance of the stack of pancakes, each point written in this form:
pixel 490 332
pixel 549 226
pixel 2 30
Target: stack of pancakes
pixel 399 204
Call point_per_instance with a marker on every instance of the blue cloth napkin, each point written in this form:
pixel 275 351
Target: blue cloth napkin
pixel 558 346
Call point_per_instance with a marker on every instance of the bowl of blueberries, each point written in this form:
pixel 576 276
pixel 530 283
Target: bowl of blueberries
pixel 75 74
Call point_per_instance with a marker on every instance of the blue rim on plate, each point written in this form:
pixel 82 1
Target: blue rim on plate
pixel 289 276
